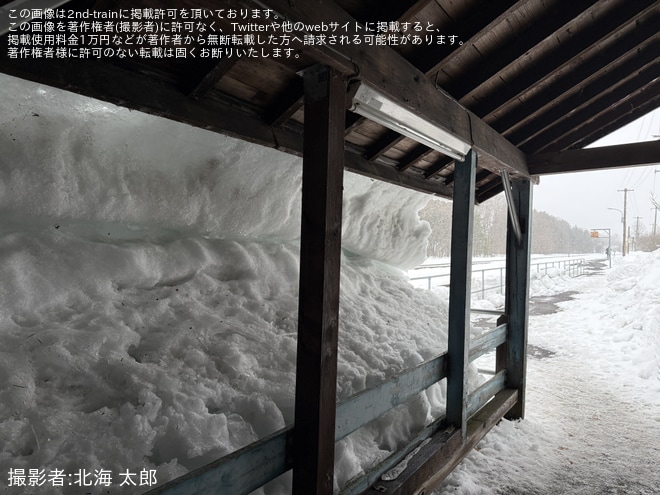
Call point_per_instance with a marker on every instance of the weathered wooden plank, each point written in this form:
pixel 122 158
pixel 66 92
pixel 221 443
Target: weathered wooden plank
pixel 485 392
pixel 287 104
pixel 383 145
pixel 376 170
pixel 238 473
pixel 487 342
pixel 608 123
pixel 362 484
pixel 604 36
pixel 606 157
pixel 320 254
pixel 445 451
pixel 460 290
pixel 372 403
pixel 625 48
pixel 383 68
pixel 512 356
pixel 533 33
pixel 642 83
pixel 416 156
pixel 197 89
pixel 438 167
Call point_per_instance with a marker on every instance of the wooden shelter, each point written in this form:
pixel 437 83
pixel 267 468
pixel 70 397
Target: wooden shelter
pixel 483 97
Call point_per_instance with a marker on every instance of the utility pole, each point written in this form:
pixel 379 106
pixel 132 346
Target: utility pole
pixel 655 203
pixel 636 234
pixel 625 192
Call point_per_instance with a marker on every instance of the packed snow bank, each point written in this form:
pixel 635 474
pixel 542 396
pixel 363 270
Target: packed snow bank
pixel 149 300
pixel 71 158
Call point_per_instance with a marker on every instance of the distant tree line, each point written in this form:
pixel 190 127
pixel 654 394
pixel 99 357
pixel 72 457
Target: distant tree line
pixel 550 235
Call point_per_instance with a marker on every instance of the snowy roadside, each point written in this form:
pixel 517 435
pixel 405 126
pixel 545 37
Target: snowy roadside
pixel 592 422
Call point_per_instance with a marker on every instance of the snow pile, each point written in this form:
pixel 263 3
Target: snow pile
pixel 149 299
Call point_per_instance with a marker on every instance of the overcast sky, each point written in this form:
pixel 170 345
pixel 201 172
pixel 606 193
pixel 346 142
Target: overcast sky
pixel 583 198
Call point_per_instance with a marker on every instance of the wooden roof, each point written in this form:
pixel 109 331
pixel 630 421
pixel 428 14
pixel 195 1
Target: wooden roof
pixel 521 80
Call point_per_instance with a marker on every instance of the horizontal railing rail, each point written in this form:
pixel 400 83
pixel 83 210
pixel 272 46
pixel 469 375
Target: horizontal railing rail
pixel 489 279
pixel 254 465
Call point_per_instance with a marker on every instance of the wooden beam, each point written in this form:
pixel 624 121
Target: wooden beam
pixel 487 342
pixel 436 460
pixel 238 473
pixel 603 158
pixel 383 145
pixel 353 121
pixel 288 103
pixel 512 356
pixel 320 255
pixel 414 157
pixel 199 88
pixel 460 291
pixel 376 170
pixel 441 164
pixel 401 10
pixel 369 404
pixel 469 31
pixel 386 70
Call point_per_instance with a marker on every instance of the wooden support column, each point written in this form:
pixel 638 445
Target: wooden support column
pixel 512 355
pixel 459 295
pixel 320 251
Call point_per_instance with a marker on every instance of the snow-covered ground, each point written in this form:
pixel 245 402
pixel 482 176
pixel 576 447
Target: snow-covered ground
pixel 148 312
pixel 592 423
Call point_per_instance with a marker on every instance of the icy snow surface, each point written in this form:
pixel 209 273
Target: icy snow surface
pixel 148 302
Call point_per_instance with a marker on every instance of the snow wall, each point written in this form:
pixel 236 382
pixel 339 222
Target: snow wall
pixel 148 302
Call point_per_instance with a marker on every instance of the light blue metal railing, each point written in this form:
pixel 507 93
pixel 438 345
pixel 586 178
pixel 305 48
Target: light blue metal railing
pixel 489 279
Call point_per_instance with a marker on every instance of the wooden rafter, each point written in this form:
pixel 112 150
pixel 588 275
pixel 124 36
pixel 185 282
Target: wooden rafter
pixel 607 92
pixel 473 28
pixel 440 165
pixel 471 79
pixel 396 9
pixel 621 30
pixel 605 127
pixel 198 88
pixel 289 102
pixel 416 156
pixel 628 53
pixel 382 145
pixel 582 131
pixel 395 77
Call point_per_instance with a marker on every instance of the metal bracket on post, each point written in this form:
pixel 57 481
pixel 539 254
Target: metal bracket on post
pixel 513 215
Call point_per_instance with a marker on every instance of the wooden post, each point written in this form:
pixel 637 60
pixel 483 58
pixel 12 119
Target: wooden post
pixel 320 251
pixel 512 355
pixel 460 289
